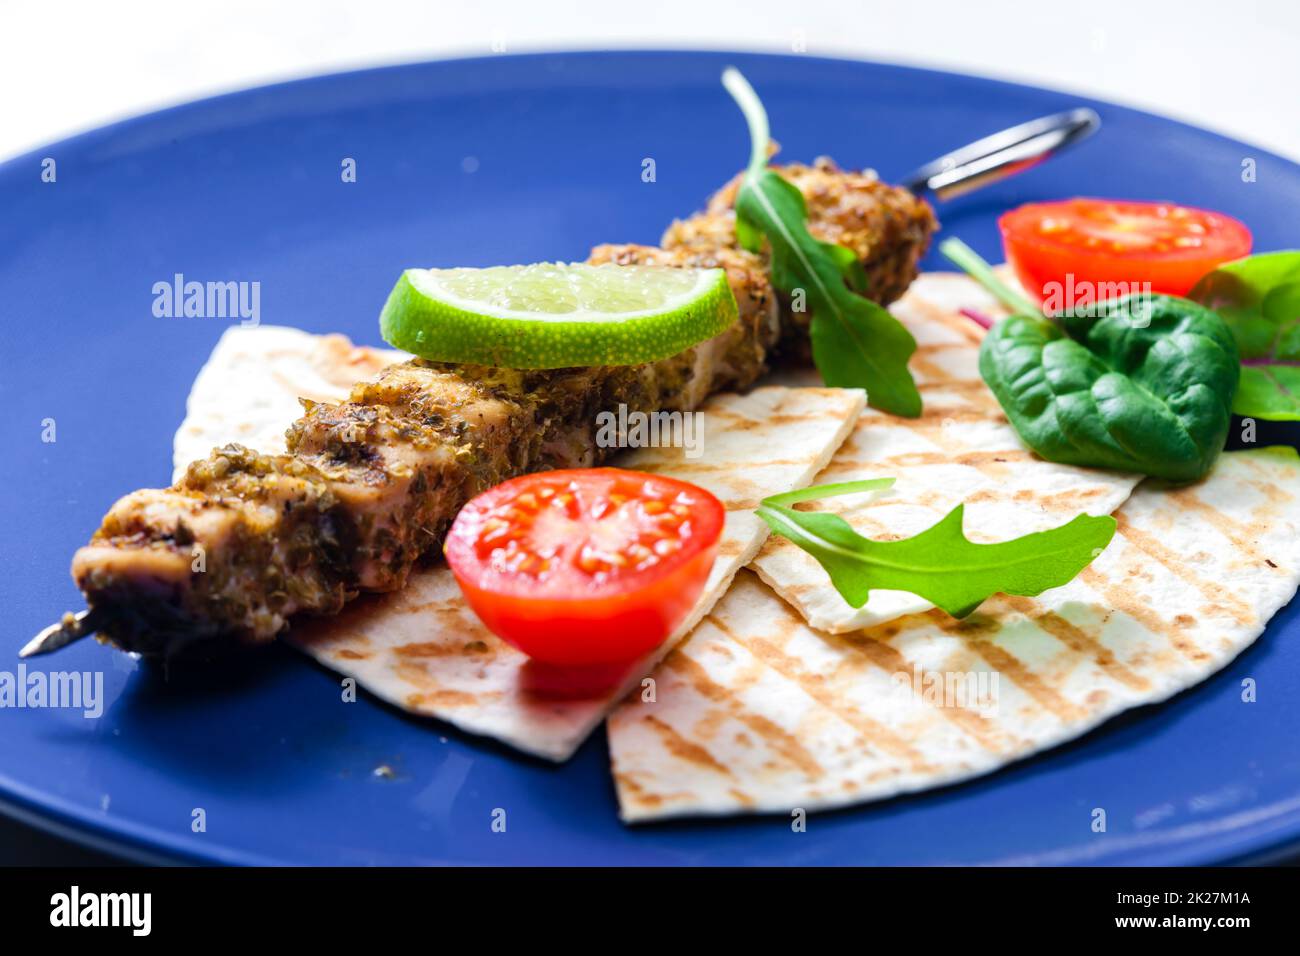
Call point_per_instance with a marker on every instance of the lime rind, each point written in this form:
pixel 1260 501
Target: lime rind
pixel 429 315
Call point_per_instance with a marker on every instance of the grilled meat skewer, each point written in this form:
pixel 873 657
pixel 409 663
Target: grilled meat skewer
pixel 244 540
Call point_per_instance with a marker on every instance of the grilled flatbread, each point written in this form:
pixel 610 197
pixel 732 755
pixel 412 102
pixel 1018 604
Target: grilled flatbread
pixel 759 712
pixel 962 449
pixel 421 648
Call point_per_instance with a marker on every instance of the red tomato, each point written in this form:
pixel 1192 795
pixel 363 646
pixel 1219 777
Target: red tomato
pixel 1087 245
pixel 586 567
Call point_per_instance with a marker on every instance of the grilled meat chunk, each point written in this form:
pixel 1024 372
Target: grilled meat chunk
pixel 887 227
pixel 244 541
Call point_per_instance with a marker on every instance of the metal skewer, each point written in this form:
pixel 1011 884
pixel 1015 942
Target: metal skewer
pixel 984 161
pixel 73 627
pixel 1003 154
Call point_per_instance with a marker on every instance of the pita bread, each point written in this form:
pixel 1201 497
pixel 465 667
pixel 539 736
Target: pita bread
pixel 962 449
pixel 421 648
pixel 759 712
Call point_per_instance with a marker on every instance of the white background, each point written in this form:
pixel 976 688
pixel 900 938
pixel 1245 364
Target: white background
pixel 1232 65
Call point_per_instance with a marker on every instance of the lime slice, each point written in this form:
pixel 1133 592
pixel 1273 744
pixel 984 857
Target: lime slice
pixel 553 315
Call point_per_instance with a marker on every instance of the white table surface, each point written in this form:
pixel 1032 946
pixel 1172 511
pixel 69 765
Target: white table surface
pixel 1231 65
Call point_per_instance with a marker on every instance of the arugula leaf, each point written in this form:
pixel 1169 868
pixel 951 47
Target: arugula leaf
pixel 787 498
pixel 969 261
pixel 1259 298
pixel 940 564
pixel 855 342
pixel 1142 383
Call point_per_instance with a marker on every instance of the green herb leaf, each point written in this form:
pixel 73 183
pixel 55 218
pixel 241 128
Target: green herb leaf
pixel 940 564
pixel 1259 298
pixel 969 261
pixel 788 498
pixel 1141 383
pixel 855 342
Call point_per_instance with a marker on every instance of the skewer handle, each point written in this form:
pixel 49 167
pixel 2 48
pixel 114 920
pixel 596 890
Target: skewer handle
pixel 1003 154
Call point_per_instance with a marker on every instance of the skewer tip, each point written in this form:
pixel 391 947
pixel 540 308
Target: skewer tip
pixel 72 627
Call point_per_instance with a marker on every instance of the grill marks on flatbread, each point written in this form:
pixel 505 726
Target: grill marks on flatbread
pixel 962 449
pixel 423 650
pixel 1149 618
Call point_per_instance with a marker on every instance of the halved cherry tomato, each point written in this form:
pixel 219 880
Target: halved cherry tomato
pixel 586 567
pixel 1093 244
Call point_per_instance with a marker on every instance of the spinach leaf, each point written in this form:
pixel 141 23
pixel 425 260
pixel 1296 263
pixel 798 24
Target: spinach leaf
pixel 1259 298
pixel 940 564
pixel 856 343
pixel 1143 383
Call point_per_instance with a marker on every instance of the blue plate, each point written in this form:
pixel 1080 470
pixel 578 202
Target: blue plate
pixel 477 162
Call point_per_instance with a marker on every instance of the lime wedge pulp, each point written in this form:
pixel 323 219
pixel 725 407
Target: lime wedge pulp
pixel 555 315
